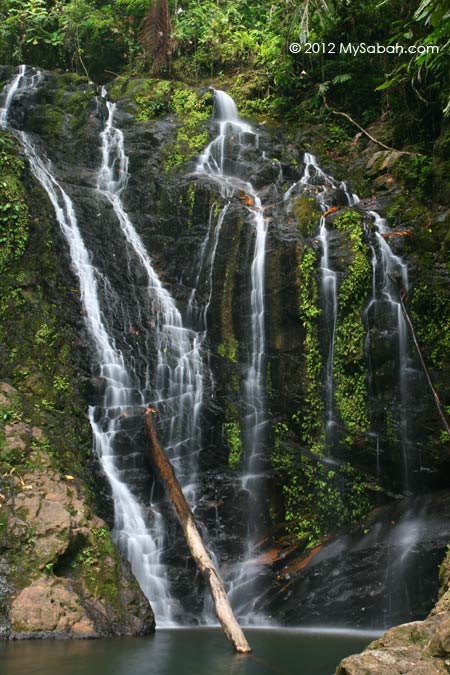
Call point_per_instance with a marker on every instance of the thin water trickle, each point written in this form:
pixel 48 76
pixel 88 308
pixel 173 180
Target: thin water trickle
pixel 26 79
pixel 389 277
pixel 389 273
pixel 213 162
pixel 313 175
pixel 10 90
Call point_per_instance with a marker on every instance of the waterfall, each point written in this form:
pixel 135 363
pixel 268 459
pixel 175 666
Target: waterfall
pixel 23 80
pixel 313 175
pixel 213 162
pixel 386 269
pixel 178 375
pixel 329 290
pixel 174 355
pixel 216 163
pixel 123 395
pixel 389 274
pixel 178 386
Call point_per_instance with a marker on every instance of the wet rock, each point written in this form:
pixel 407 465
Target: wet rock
pixel 388 567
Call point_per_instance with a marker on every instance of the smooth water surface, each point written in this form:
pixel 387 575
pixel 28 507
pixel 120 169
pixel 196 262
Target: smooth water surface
pixel 185 652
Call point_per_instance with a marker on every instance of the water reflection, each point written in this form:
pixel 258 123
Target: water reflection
pixel 184 652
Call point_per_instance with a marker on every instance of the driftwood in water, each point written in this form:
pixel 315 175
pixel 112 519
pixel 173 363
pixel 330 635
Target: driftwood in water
pixel 403 297
pixel 199 552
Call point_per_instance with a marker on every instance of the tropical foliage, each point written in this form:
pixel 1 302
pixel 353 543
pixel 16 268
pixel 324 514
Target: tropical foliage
pixel 190 40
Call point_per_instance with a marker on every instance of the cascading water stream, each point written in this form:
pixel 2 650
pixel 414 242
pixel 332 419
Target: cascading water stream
pixel 207 259
pixel 314 176
pixel 389 273
pixel 123 395
pixel 11 91
pixel 389 277
pixel 214 163
pixel 178 377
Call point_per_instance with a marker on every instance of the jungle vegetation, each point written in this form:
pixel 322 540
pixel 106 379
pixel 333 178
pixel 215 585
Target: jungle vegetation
pixel 215 39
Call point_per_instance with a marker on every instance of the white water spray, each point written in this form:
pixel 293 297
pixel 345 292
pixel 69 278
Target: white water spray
pixel 179 373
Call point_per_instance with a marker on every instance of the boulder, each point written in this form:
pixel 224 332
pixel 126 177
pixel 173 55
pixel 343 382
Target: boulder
pixel 50 608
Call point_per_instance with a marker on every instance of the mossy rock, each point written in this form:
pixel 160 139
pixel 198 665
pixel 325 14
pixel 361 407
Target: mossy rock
pixel 48 121
pixel 306 213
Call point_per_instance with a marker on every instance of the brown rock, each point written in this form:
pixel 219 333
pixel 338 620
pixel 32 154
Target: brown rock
pixel 37 433
pixel 411 649
pixel 384 182
pixel 439 645
pixel 49 606
pixel 443 604
pixel 414 634
pixel 29 502
pixel 52 529
pixel 384 160
pixel 16 435
pixel 83 629
pixel 375 661
pixel 429 668
pixel 7 394
pixel 51 515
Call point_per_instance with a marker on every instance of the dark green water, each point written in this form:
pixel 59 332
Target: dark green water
pixel 184 652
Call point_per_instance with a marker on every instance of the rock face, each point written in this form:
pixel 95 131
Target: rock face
pixel 61 575
pixel 307 496
pixel 382 572
pixel 88 592
pixel 49 607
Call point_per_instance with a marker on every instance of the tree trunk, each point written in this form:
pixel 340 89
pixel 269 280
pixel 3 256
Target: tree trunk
pixel 199 552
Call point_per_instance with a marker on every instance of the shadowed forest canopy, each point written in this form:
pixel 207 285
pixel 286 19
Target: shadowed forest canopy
pixel 191 40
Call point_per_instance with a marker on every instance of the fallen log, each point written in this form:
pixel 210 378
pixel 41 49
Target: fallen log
pixel 403 295
pixel 222 606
